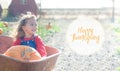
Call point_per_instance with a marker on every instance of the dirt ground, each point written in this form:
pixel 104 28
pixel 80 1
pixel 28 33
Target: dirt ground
pixel 105 60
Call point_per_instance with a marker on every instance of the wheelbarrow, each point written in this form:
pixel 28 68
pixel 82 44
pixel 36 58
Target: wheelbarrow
pixel 12 64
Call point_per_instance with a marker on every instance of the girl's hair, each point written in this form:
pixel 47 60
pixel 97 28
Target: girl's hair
pixel 23 21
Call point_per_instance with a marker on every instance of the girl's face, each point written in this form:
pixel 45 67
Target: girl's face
pixel 30 27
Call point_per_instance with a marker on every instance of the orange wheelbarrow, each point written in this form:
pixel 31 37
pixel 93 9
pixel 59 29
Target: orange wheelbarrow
pixel 11 64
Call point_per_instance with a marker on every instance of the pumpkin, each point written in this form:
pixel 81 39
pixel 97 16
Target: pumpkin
pixel 23 53
pixel 48 26
pixel 5 24
pixel 1 31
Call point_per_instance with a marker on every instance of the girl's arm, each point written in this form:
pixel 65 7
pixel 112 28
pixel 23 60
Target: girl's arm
pixel 40 46
pixel 16 42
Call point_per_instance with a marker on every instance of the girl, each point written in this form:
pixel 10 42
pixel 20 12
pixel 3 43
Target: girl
pixel 26 34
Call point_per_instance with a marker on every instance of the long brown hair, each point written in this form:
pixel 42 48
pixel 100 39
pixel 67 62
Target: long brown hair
pixel 23 21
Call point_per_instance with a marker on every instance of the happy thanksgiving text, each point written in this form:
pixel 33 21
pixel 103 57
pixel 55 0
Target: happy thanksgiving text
pixel 85 34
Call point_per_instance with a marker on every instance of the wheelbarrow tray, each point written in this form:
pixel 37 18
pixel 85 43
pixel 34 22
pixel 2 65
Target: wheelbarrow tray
pixel 45 64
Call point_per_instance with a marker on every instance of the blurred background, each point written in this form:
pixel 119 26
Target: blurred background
pixel 54 18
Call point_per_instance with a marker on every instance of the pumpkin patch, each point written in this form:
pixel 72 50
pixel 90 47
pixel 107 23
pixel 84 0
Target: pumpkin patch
pixel 21 52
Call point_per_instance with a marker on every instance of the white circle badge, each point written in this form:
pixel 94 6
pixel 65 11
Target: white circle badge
pixel 85 35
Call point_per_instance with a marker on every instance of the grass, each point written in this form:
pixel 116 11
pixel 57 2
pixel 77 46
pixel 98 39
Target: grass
pixel 5 29
pixel 118 69
pixel 43 32
pixel 117 29
pixel 118 50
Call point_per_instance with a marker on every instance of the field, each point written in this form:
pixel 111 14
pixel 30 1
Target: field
pixel 107 59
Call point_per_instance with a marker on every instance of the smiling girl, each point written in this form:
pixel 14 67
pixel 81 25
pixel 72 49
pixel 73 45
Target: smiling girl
pixel 26 34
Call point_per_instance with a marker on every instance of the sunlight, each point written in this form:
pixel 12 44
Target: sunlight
pixel 5 3
pixel 76 3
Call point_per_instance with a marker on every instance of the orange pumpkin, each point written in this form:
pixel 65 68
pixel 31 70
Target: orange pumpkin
pixel 48 26
pixel 23 53
pixel 1 31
